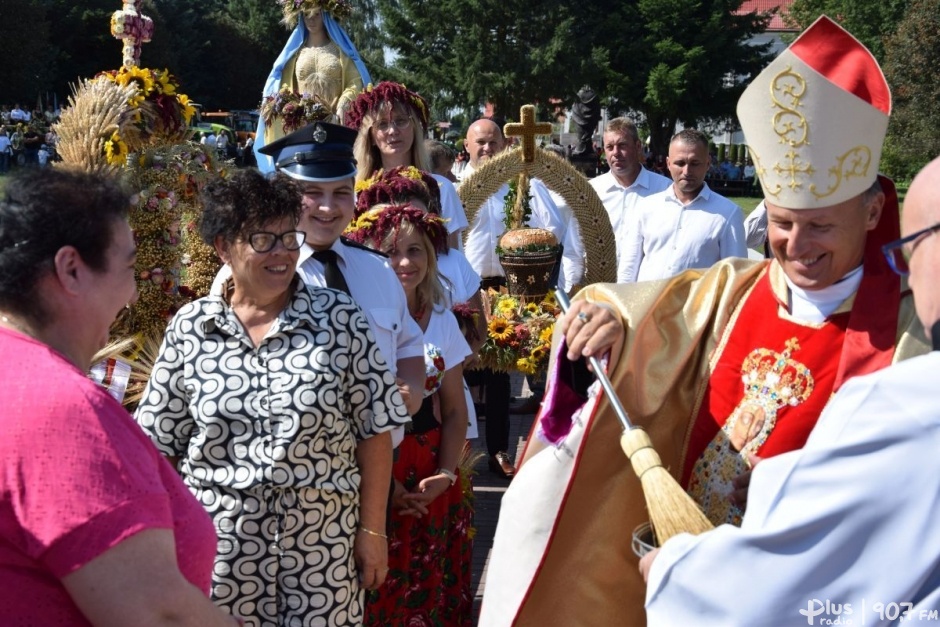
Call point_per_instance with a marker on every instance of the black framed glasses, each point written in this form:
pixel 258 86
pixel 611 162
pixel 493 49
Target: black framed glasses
pixel 898 253
pixel 264 241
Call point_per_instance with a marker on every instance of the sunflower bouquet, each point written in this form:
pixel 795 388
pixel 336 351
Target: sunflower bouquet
pixel 519 332
pixel 158 113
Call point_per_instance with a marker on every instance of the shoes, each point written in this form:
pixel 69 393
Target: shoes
pixel 527 405
pixel 501 464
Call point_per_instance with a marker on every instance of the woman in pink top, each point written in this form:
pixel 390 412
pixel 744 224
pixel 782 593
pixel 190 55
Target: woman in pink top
pixel 96 528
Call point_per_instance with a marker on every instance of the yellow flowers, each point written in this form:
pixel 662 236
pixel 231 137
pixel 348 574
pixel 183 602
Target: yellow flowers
pixel 507 306
pixel 115 150
pixel 519 333
pixel 499 329
pixel 188 110
pixel 527 365
pixel 141 76
pixel 157 110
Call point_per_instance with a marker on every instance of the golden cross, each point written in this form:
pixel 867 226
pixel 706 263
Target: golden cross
pixel 528 129
pixel 133 29
pixel 793 167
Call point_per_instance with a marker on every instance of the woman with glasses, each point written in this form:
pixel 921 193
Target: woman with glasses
pixel 268 398
pixel 392 122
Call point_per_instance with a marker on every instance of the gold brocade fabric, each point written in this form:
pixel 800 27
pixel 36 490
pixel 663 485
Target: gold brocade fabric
pixel 589 573
pixel 324 71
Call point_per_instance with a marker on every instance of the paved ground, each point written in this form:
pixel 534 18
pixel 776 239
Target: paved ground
pixel 488 490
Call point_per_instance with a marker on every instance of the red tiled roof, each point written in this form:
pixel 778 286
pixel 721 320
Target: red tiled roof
pixel 762 6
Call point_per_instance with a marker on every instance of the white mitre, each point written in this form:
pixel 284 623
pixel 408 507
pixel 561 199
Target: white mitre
pixel 815 119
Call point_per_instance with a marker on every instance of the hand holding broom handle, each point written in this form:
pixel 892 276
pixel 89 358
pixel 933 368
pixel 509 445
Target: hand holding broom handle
pixel 671 510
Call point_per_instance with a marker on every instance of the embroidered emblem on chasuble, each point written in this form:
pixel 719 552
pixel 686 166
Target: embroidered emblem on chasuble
pixel 771 378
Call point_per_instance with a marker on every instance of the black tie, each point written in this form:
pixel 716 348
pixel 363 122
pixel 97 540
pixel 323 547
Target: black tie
pixel 331 272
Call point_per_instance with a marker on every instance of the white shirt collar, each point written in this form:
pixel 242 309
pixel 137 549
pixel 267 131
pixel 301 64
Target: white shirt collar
pixel 817 305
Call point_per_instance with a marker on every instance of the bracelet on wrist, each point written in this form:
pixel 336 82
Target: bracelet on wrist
pixel 373 533
pixel 450 475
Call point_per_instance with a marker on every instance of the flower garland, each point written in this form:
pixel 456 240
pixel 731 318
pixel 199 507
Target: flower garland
pixel 519 333
pixel 398 185
pixel 158 113
pixel 294 9
pixel 373 226
pixel 293 109
pixel 372 98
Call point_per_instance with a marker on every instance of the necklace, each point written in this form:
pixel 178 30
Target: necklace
pixel 419 314
pixel 15 325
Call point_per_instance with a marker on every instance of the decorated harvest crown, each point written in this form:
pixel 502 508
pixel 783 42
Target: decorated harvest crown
pixel 815 119
pixel 294 10
pixel 398 185
pixel 371 99
pixel 372 227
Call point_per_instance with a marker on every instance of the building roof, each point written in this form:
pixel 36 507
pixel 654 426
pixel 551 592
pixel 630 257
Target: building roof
pixel 762 6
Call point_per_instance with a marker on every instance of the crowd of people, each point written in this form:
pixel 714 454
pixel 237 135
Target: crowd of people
pixel 27 138
pixel 298 454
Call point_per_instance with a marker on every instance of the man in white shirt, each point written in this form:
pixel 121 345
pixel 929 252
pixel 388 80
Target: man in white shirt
pixel 485 140
pixel 687 225
pixel 628 181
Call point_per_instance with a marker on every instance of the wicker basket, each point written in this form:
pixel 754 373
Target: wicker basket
pixel 528 275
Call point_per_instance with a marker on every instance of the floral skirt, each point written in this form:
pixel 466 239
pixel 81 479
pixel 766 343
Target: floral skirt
pixel 429 558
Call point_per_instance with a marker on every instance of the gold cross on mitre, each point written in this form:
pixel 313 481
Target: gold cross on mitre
pixel 133 29
pixel 528 129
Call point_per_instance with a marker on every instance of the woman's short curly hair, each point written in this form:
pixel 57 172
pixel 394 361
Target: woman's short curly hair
pixel 43 210
pixel 245 201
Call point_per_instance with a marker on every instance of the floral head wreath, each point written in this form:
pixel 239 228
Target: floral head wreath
pixel 396 186
pixel 295 9
pixel 372 227
pixel 371 99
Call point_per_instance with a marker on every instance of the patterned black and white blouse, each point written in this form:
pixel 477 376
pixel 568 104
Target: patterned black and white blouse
pixel 285 414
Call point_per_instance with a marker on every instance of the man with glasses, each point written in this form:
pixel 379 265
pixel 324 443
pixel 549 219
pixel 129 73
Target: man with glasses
pixel 722 366
pixel 846 527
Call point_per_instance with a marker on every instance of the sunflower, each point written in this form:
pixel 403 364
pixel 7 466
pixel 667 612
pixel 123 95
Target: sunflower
pixel 538 354
pixel 166 85
pixel 141 76
pixel 115 150
pixel 545 337
pixel 507 306
pixel 526 365
pixel 500 329
pixel 532 308
pixel 186 109
pixel 549 300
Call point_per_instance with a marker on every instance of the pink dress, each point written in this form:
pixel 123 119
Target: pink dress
pixel 77 476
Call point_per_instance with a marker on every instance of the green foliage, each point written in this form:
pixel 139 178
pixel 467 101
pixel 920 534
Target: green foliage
pixel 24 31
pixel 910 67
pixel 870 21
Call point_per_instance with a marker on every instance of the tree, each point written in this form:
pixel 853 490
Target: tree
pixel 689 62
pixel 910 67
pixel 24 33
pixel 464 53
pixel 870 21
pixel 669 60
